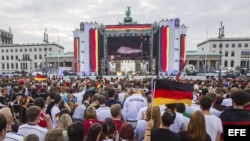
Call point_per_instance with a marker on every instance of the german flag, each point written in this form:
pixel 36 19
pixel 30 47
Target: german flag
pixel 40 77
pixel 167 92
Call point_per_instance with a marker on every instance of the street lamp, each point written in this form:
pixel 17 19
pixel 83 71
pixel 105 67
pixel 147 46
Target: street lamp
pixel 221 35
pixel 45 40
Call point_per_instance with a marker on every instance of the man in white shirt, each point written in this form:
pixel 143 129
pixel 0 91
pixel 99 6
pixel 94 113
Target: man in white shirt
pixel 132 106
pixel 79 95
pixel 103 111
pixel 213 123
pixel 10 135
pixel 32 127
pixel 180 122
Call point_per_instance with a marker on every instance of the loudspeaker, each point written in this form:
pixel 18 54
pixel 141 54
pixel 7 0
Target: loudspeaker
pixel 82 26
pixel 177 22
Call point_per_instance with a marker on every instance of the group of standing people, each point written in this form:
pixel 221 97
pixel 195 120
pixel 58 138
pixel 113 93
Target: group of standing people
pixel 119 110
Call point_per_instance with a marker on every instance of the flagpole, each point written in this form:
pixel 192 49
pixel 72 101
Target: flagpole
pixel 153 95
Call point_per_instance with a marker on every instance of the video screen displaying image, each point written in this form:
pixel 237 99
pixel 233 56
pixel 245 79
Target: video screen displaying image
pixel 128 45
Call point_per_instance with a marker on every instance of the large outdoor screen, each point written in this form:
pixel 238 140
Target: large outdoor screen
pixel 128 45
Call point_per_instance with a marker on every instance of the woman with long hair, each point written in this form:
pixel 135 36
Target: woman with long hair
pixel 63 123
pixel 196 130
pixel 91 118
pixel 152 112
pixel 108 132
pixel 94 131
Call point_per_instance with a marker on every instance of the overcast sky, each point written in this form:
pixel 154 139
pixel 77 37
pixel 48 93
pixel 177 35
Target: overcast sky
pixel 29 18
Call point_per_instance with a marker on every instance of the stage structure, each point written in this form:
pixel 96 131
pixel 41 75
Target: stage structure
pixel 130 48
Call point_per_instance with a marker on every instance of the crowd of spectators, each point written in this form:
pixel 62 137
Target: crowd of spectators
pixel 118 110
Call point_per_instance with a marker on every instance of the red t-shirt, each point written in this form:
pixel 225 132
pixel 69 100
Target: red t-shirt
pixel 42 122
pixel 118 124
pixel 87 124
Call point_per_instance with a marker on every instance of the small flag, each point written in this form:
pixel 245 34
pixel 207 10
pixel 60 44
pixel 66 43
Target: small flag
pixel 167 92
pixel 40 77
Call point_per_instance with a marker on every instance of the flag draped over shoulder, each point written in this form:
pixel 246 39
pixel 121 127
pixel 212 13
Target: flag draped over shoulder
pixel 40 77
pixel 166 92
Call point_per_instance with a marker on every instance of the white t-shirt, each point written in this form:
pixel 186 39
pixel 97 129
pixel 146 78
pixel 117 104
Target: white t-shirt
pixel 180 123
pixel 79 97
pixel 12 136
pixel 55 110
pixel 79 112
pixel 142 112
pixel 227 102
pixel 213 126
pixel 140 129
pixel 27 129
pixel 121 96
pixel 102 113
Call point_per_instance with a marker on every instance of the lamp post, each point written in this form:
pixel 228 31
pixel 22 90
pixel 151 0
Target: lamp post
pixel 45 40
pixel 221 35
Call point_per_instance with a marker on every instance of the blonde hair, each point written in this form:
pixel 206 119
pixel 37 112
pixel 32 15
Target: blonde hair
pixel 7 114
pixel 64 122
pixel 153 112
pixel 91 113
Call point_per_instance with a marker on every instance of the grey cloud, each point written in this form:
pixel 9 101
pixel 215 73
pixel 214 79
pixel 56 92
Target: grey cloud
pixel 29 18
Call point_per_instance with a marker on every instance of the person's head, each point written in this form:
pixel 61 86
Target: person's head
pixel 205 102
pixel 219 99
pixel 111 93
pixel 239 98
pixel 108 129
pixel 31 137
pixel 33 113
pixel 64 122
pixel 247 91
pixel 94 131
pixel 7 114
pixel 212 96
pixel 168 118
pixel 115 110
pixel 171 106
pixel 94 97
pixel 71 90
pixel 64 111
pixel 54 135
pixel 76 132
pixel 3 125
pixel 156 116
pixel 234 89
pixel 4 91
pixel 126 132
pixel 91 113
pixel 101 99
pixel 52 95
pixel 86 96
pixel 40 102
pixel 57 99
pixel 180 107
pixel 197 127
pixel 204 91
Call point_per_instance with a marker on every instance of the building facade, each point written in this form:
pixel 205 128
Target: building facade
pixel 27 57
pixel 6 38
pixel 235 51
